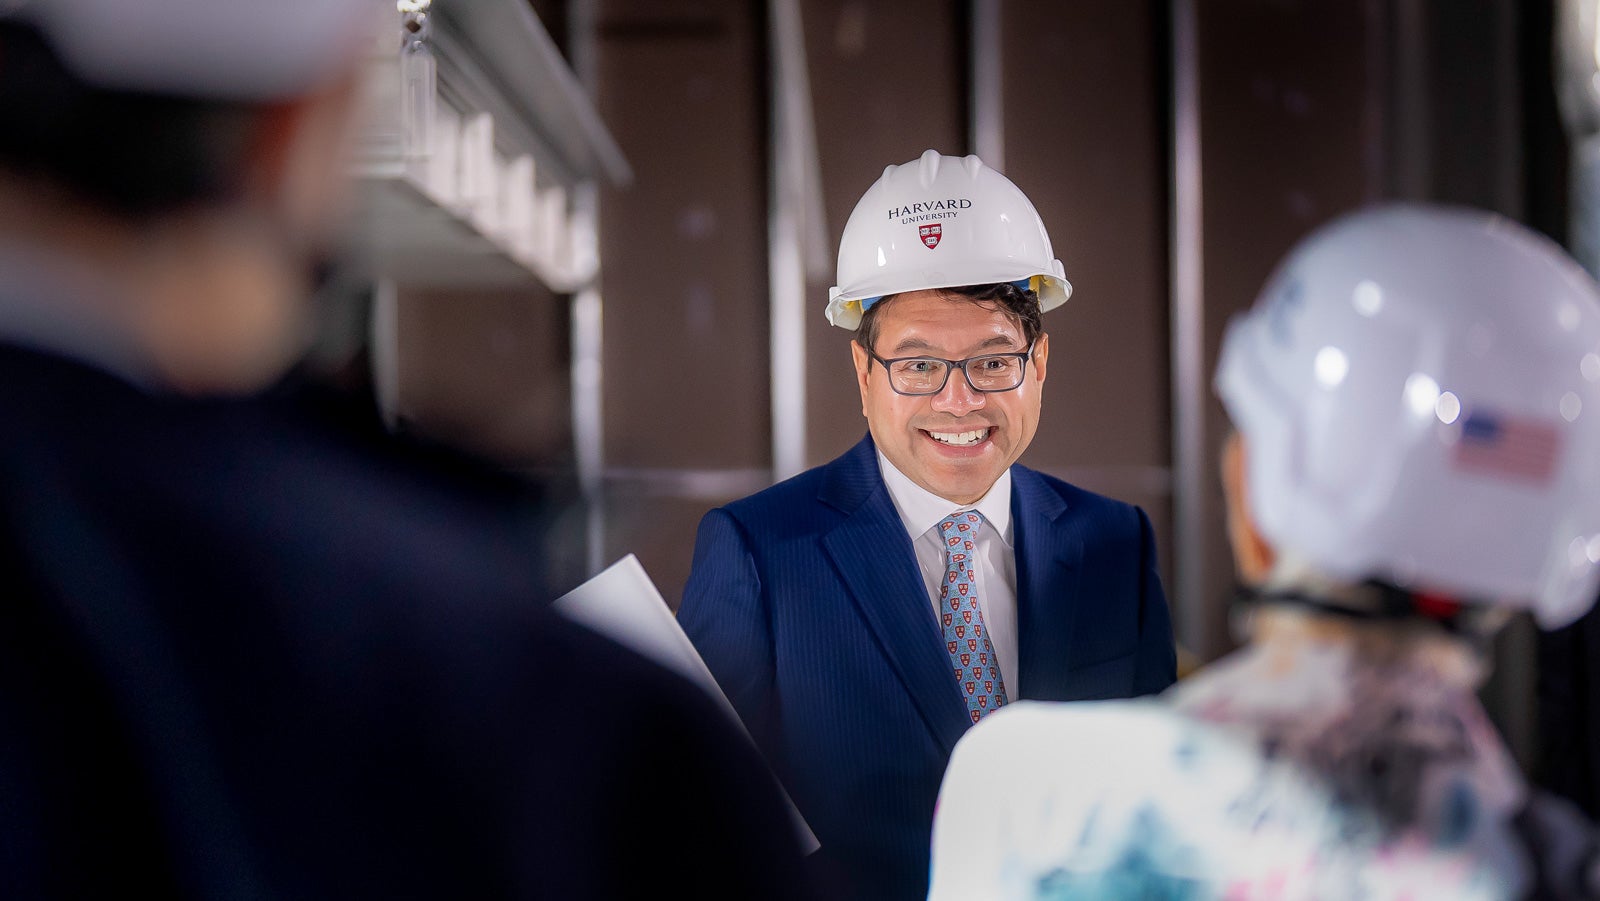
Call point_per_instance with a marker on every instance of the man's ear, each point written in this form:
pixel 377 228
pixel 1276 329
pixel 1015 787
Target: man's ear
pixel 1041 356
pixel 1253 556
pixel 278 126
pixel 863 363
pixel 298 162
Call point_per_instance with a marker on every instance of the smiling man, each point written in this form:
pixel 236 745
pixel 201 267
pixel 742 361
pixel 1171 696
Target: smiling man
pixel 864 614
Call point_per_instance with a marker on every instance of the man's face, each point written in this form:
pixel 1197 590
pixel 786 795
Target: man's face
pixel 928 438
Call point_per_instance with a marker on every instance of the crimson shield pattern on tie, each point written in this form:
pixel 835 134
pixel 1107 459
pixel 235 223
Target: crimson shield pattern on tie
pixel 980 685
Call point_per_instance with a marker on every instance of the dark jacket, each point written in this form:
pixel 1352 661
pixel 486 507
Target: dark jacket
pixel 806 602
pixel 241 657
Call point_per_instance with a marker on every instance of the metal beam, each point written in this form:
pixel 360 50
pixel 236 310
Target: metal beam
pixel 1193 612
pixel 588 308
pixel 796 237
pixel 1411 115
pixel 537 88
pixel 384 340
pixel 987 101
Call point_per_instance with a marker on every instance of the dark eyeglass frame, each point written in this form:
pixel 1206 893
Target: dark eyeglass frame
pixel 951 366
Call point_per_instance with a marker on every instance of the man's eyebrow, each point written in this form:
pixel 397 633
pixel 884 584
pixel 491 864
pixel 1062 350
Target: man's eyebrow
pixel 999 341
pixel 912 343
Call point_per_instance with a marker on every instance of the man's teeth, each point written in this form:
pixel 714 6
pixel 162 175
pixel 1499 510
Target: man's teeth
pixel 960 439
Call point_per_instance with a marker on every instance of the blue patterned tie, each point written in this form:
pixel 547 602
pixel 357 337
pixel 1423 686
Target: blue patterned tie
pixel 971 654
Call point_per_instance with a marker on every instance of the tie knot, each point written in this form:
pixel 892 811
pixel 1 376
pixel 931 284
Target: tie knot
pixel 961 525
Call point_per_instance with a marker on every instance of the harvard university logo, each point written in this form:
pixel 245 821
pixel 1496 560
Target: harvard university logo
pixel 930 234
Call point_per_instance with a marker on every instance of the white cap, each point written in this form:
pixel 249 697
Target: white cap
pixel 941 222
pixel 1419 392
pixel 244 50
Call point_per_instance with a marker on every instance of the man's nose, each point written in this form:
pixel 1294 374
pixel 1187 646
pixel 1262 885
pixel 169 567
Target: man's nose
pixel 958 397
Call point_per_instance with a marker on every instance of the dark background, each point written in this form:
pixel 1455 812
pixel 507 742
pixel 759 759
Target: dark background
pixel 1305 109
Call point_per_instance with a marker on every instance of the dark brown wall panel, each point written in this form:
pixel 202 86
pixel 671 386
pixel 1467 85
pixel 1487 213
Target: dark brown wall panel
pixel 684 248
pixel 1288 131
pixel 660 531
pixel 1084 136
pixel 488 371
pixel 888 81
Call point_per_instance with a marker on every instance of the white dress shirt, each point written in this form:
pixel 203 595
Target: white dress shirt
pixel 920 512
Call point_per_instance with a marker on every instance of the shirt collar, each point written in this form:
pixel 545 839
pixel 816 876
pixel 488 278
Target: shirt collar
pixel 921 509
pixel 45 306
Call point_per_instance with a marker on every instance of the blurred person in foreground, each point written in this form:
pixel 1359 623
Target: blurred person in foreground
pixel 1417 401
pixel 240 658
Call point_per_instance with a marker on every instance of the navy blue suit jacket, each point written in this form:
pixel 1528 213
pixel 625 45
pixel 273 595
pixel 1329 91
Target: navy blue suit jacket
pixel 245 656
pixel 806 602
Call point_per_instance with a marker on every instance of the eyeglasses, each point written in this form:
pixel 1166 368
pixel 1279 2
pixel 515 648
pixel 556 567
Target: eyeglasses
pixel 988 374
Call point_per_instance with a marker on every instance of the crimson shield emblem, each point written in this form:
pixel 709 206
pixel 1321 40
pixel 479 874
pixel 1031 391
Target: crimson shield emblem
pixel 930 235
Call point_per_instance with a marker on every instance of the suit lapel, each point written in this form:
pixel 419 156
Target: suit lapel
pixel 1049 558
pixel 874 557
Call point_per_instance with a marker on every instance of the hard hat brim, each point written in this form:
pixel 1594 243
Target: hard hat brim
pixel 845 306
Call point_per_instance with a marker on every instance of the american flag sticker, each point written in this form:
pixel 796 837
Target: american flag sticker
pixel 1521 449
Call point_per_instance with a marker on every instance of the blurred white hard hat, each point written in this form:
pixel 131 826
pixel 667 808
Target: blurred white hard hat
pixel 245 50
pixel 941 222
pixel 1419 392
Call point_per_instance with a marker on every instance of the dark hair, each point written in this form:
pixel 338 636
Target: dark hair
pixel 134 155
pixel 1020 305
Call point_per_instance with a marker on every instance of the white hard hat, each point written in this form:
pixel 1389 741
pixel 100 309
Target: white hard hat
pixel 941 222
pixel 244 50
pixel 1419 392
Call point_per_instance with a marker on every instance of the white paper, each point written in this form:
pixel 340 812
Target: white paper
pixel 622 604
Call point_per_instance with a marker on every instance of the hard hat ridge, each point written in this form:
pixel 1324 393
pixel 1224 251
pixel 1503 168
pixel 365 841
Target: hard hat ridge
pixel 928 167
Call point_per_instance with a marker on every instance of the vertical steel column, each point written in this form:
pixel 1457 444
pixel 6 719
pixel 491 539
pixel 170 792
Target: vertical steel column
pixel 1188 337
pixel 1509 194
pixel 1376 124
pixel 986 130
pixel 588 384
pixel 796 239
pixel 1413 148
pixel 588 431
pixel 384 339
